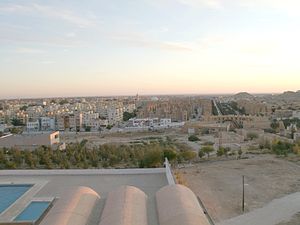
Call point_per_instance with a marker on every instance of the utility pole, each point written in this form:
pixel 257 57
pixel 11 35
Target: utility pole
pixel 243 198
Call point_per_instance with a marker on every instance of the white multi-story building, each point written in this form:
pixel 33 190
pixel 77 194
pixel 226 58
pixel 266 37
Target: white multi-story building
pixel 2 117
pixel 88 117
pixel 33 126
pixel 296 114
pixel 47 123
pixel 129 108
pixel 147 122
pixel 165 122
pixel 2 127
pixel 114 115
pixel 96 124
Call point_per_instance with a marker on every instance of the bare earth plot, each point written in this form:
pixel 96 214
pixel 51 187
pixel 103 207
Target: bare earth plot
pixel 219 184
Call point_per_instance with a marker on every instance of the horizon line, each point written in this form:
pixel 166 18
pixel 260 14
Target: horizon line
pixel 145 95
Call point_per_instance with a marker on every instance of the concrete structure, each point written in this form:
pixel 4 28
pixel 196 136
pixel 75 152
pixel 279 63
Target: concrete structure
pixel 257 122
pixel 145 122
pixel 128 197
pixel 126 205
pixel 296 114
pixel 114 115
pixel 75 121
pixel 73 208
pixel 33 126
pixel 178 205
pixel 152 123
pixel 69 122
pixel 30 141
pixel 253 108
pixel 178 109
pixel 297 137
pixel 47 123
pixel 283 114
pixel 3 127
pixel 202 126
pixel 165 122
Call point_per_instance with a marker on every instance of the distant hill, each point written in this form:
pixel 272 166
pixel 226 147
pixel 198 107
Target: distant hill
pixel 243 95
pixel 289 95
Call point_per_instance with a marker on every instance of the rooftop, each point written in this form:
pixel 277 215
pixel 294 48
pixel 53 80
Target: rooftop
pixel 104 196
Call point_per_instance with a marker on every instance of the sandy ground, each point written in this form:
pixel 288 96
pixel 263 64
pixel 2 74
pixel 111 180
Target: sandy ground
pixel 219 184
pixel 96 139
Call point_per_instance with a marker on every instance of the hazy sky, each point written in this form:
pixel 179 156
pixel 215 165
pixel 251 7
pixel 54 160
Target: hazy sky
pixel 121 47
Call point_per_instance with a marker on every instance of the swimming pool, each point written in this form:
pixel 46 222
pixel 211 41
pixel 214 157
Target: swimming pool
pixel 33 211
pixel 11 193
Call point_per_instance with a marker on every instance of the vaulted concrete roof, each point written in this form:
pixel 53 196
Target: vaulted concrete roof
pixel 177 205
pixel 125 206
pixel 73 208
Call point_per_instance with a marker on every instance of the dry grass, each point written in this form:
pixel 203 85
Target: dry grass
pixel 180 178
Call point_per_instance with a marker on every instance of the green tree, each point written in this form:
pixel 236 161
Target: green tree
pixel 24 108
pixel 240 152
pixel 193 138
pixel 220 152
pixel 171 155
pixel 201 154
pixel 282 148
pixel 153 158
pixel 63 102
pixel 87 129
pixel 275 125
pixel 207 150
pixel 17 122
pixel 127 115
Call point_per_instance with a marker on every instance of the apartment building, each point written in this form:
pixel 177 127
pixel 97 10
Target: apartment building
pixel 69 122
pixel 89 116
pixel 178 109
pixel 75 121
pixel 254 108
pixel 47 123
pixel 114 115
pixel 33 126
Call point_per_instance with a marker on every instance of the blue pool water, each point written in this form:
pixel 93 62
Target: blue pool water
pixel 11 193
pixel 33 211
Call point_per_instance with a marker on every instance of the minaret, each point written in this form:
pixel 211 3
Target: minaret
pixel 137 97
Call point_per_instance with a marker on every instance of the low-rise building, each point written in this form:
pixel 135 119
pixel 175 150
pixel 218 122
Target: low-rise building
pixel 30 141
pixel 165 122
pixel 296 114
pixel 96 124
pixel 297 137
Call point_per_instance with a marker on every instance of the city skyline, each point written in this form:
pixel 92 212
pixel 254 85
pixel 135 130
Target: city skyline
pixel 105 48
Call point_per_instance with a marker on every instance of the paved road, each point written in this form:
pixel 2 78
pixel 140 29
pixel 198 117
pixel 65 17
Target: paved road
pixel 277 211
pixel 216 105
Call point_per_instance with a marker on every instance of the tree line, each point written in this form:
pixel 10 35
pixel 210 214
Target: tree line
pixel 80 156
